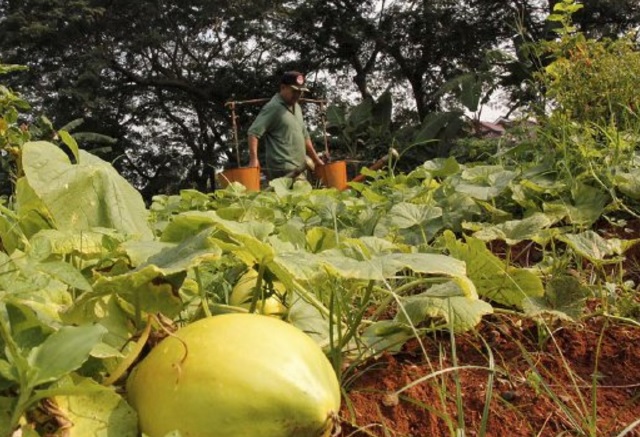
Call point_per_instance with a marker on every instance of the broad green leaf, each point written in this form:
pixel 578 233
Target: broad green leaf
pixel 300 264
pixel 6 408
pixel 284 189
pixel 7 373
pixel 101 412
pixel 386 336
pixel 629 183
pixel 459 312
pixel 555 17
pixel 497 215
pixel 21 282
pixel 381 267
pixel 592 246
pixel 64 272
pixel 9 68
pixel 319 239
pixel 426 263
pixel 483 182
pixel 515 231
pixel 371 195
pixel 94 243
pixel 586 205
pixel 84 195
pixel 187 224
pixel 360 114
pixel 71 143
pixel 10 232
pixel 494 280
pixel 248 240
pixel 62 352
pixel 139 252
pixel 27 330
pixel 432 125
pixel 565 298
pixel 103 350
pixel 567 6
pixel 457 208
pixel 328 208
pixel 148 288
pixel 335 116
pixel 306 266
pixel 32 213
pixel 290 233
pixel 374 245
pixel 470 91
pixel 109 313
pixel 406 215
pixel 47 304
pixel 72 125
pixel 309 320
pixel 190 253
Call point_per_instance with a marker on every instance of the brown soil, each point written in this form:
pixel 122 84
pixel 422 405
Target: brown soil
pixel 544 379
pixel 542 386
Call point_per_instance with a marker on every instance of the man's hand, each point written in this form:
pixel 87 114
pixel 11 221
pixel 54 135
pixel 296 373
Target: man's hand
pixel 317 161
pixel 253 162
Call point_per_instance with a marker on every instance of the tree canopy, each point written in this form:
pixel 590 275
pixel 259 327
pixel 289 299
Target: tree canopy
pixel 156 75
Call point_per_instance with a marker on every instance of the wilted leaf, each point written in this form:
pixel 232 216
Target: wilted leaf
pixel 99 413
pixel 564 299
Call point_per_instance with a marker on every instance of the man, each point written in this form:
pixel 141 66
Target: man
pixel 281 128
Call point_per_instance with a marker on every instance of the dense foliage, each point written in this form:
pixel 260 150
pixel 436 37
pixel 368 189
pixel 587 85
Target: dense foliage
pixel 91 277
pixel 155 76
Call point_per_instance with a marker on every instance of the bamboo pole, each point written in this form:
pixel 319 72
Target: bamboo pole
pixel 264 100
pixel 323 115
pixel 235 131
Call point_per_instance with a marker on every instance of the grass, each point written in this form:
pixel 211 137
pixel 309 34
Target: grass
pixel 546 375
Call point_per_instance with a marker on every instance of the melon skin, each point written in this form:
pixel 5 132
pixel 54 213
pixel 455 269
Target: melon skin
pixel 242 295
pixel 241 375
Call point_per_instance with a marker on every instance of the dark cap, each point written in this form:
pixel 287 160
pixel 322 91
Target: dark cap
pixel 295 80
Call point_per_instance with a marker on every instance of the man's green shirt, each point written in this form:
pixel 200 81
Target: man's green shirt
pixel 281 129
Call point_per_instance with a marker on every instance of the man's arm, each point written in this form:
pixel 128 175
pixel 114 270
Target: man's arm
pixel 253 151
pixel 311 151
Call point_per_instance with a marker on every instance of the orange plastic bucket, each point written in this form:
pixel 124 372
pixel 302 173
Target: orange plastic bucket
pixel 247 176
pixel 334 174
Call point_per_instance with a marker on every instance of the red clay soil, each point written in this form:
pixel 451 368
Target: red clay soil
pixel 543 385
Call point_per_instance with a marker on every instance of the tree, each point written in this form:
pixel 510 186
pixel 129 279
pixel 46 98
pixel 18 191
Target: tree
pixel 154 75
pixel 605 18
pixel 416 44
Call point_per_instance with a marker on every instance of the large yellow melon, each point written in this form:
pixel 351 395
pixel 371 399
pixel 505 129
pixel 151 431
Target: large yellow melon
pixel 236 375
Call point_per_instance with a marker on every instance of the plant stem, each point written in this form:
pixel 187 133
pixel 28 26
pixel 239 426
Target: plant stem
pixel 257 291
pixel 203 294
pixel 355 323
pixel 22 369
